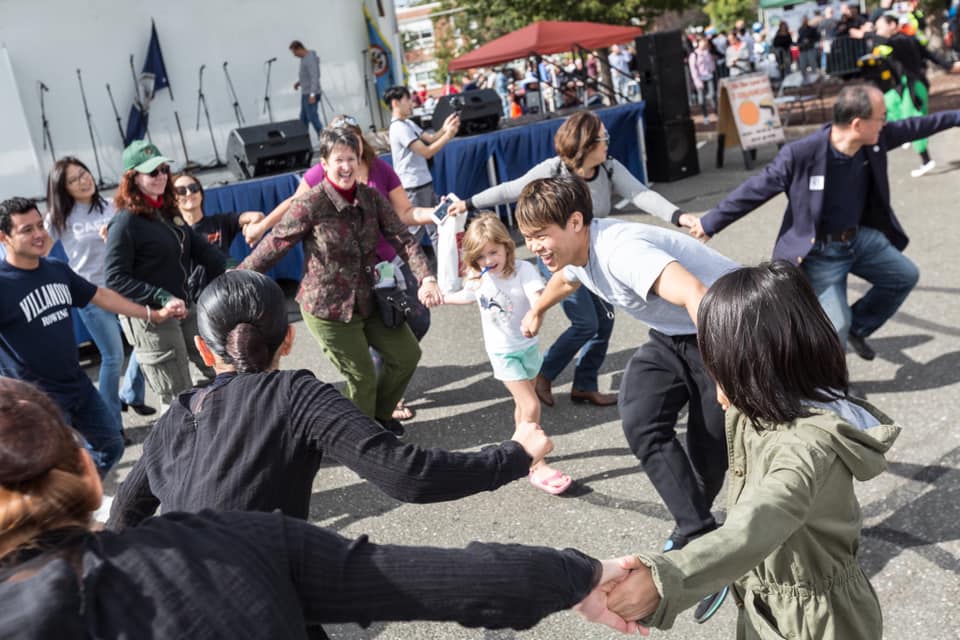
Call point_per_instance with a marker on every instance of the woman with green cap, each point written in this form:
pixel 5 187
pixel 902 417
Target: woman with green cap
pixel 149 252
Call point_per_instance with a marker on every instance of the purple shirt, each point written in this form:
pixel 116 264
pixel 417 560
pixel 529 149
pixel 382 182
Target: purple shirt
pixel 381 177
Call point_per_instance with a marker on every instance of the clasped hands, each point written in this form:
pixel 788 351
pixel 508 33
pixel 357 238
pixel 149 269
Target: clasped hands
pixel 626 593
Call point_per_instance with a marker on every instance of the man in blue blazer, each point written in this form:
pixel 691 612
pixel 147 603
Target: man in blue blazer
pixel 838 218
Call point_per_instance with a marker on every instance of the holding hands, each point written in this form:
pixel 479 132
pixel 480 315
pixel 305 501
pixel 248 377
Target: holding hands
pixel 692 224
pixel 530 325
pixel 429 293
pixel 598 605
pixel 635 597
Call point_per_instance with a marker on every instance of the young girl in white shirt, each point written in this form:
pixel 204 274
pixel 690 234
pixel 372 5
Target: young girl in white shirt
pixel 505 289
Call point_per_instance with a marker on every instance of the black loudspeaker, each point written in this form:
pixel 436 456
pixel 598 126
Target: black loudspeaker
pixel 661 63
pixel 265 149
pixel 479 110
pixel 672 151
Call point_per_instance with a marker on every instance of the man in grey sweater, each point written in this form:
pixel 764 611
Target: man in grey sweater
pixel 309 84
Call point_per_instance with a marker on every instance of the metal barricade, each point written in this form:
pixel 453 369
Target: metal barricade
pixel 843 56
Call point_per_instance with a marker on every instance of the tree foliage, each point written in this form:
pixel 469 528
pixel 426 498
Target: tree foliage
pixel 724 13
pixel 483 20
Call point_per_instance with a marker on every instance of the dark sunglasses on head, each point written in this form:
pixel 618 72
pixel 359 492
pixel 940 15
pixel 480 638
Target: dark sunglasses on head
pixel 193 187
pixel 164 169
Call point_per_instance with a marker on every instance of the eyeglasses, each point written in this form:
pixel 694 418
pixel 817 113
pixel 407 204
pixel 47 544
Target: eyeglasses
pixel 193 187
pixel 164 169
pixel 80 176
pixel 605 138
pixel 344 121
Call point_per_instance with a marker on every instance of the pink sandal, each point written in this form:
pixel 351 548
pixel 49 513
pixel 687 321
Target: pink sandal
pixel 547 484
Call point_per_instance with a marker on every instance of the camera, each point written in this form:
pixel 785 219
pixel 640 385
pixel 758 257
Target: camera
pixel 458 104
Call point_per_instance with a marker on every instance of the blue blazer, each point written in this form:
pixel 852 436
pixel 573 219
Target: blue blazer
pixel 791 172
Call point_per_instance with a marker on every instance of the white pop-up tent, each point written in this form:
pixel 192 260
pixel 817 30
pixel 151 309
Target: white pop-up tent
pixel 48 41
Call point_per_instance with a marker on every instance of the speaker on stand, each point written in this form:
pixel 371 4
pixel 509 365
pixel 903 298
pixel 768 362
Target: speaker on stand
pixel 669 132
pixel 266 149
pixel 479 110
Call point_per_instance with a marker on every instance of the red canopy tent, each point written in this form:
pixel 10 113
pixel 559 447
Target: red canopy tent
pixel 543 38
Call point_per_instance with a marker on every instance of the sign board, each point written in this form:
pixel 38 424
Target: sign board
pixel 748 115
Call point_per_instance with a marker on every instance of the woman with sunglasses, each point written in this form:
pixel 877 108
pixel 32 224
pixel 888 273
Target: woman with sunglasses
pixel 235 574
pixel 78 216
pixel 150 249
pixel 219 229
pixel 582 145
pixel 375 173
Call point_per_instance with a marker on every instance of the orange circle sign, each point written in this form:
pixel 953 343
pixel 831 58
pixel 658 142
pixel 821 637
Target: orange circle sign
pixel 749 113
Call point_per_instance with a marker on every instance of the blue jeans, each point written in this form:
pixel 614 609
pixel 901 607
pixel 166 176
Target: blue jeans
pixel 870 256
pixel 97 423
pixel 104 328
pixel 308 113
pixel 588 333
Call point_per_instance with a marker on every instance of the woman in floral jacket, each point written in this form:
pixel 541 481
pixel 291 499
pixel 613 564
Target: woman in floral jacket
pixel 339 222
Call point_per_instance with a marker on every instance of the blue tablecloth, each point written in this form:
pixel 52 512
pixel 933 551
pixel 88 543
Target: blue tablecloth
pixel 262 194
pixel 461 166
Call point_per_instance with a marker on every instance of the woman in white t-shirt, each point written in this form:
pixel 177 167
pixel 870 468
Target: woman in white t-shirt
pixel 505 289
pixel 78 216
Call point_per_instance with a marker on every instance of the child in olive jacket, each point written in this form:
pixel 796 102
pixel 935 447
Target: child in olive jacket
pixel 795 441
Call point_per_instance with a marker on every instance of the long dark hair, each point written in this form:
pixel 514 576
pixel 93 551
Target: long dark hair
pixel 187 174
pixel 242 317
pixel 59 201
pixel 767 342
pixel 130 198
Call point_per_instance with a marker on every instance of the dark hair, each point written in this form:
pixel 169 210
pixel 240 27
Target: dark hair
pixel 766 340
pixel 242 317
pixel 130 198
pixel 11 207
pixel 552 201
pixel 59 201
pixel 330 138
pixel 196 181
pixel 853 102
pixel 398 92
pixel 296 44
pixel 889 19
pixel 41 473
pixel 367 154
pixel 577 137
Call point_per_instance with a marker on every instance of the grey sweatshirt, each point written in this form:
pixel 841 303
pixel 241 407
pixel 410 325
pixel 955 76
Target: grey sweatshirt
pixel 612 179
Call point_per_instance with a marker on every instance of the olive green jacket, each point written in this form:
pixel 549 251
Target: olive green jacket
pixel 790 540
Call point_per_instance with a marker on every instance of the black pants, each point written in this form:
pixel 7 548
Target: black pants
pixel 663 375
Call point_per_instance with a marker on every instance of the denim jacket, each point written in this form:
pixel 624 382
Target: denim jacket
pixel 339 243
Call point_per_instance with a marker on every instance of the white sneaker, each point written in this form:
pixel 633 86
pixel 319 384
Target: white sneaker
pixel 925 169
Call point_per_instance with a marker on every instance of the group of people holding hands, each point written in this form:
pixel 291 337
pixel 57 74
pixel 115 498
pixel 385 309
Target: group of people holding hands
pixel 755 355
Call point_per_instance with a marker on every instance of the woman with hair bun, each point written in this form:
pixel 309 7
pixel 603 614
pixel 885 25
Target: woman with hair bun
pixel 254 438
pixel 236 575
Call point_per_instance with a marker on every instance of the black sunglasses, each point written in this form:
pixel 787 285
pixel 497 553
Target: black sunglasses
pixel 193 187
pixel 164 169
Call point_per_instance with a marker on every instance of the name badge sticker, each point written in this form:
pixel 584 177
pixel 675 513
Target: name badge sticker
pixel 816 183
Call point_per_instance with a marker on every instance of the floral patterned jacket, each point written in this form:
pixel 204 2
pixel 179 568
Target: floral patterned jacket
pixel 339 243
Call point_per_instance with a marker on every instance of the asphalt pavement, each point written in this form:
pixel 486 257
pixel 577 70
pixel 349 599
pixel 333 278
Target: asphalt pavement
pixel 911 536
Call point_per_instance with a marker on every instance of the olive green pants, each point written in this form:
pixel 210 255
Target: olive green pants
pixel 347 345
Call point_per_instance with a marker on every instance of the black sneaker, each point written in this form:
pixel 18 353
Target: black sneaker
pixel 393 426
pixel 675 542
pixel 710 605
pixel 860 346
pixel 139 409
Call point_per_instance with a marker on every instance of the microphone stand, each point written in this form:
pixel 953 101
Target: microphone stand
pixel 202 101
pixel 93 142
pixel 47 139
pixel 236 103
pixel 266 91
pixel 116 114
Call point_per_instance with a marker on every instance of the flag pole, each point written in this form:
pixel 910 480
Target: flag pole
pixel 93 142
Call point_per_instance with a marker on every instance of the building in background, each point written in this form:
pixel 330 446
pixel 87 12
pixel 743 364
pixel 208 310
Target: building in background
pixel 428 33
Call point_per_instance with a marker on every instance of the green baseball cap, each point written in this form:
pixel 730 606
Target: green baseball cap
pixel 143 157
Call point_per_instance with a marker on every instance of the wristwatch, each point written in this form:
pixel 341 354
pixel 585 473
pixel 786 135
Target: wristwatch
pixel 432 279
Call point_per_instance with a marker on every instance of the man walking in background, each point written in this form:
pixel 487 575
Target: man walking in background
pixel 309 84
